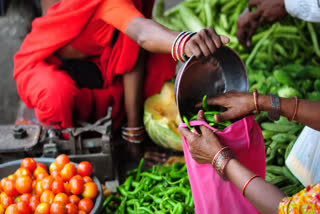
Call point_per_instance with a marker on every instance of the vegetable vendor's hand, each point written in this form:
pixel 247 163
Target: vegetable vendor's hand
pixel 266 12
pixel 204 43
pixel 239 104
pixel 202 147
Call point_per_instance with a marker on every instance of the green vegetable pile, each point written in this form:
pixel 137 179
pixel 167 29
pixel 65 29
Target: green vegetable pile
pixel 284 59
pixel 159 190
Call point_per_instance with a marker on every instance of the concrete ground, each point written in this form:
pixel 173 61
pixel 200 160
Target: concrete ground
pixel 13 28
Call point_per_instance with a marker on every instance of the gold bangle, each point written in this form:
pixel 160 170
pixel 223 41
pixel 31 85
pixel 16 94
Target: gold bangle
pixel 255 100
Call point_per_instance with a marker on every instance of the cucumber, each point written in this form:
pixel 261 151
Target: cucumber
pixel 279 128
pixel 277 170
pixel 282 138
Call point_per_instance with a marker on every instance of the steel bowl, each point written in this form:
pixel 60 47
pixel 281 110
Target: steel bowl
pixel 219 73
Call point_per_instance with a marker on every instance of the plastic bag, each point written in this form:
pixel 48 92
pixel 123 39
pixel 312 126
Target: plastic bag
pixel 304 158
pixel 210 193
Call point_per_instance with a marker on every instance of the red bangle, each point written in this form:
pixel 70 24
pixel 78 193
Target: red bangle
pixel 181 48
pixel 255 100
pixel 247 183
pixel 178 45
pixel 174 45
pixel 295 108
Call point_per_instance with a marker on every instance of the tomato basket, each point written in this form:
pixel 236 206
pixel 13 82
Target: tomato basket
pixel 10 167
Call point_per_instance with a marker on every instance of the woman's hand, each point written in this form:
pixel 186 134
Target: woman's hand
pixel 239 104
pixel 204 43
pixel 266 12
pixel 202 147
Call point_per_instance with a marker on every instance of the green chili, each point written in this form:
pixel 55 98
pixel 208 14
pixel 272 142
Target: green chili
pixel 139 169
pixel 186 122
pixel 204 103
pixel 314 38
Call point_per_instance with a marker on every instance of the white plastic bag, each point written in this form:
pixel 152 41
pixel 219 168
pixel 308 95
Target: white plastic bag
pixel 304 158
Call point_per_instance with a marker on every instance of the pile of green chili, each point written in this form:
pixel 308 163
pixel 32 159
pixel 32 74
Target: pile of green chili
pixel 159 190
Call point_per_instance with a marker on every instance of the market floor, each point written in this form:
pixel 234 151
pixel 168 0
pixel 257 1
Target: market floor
pixel 13 28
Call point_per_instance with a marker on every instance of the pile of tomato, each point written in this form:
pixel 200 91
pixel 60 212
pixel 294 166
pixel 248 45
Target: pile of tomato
pixel 64 189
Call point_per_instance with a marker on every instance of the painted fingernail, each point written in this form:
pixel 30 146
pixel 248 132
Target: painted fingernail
pixel 201 113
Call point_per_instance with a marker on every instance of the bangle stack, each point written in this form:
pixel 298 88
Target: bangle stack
pixel 220 161
pixel 255 100
pixel 177 49
pixel 274 114
pixel 134 134
pixel 295 108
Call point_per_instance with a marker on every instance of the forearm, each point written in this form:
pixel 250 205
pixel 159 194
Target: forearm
pixel 308 112
pixel 263 195
pixel 150 35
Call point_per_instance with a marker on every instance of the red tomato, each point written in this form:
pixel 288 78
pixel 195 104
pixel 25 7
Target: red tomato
pixel 38 171
pixel 42 175
pixel 74 199
pixel 6 201
pixel 47 197
pixel 9 188
pixel 76 185
pixel 26 197
pixel 62 198
pixel 12 209
pixel 56 174
pixel 2 210
pixel 12 177
pixel 47 183
pixel 71 209
pixel 84 168
pixel 85 204
pixel 67 188
pixel 53 167
pixel 90 190
pixel 29 163
pixel 23 171
pixel 87 179
pixel 57 186
pixel 2 183
pixel 23 208
pixel 62 160
pixel 43 166
pixel 69 170
pixel 57 208
pixel 34 202
pixel 43 208
pixel 24 184
pixel 38 188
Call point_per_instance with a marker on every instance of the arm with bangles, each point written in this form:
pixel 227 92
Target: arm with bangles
pixel 240 104
pixel 154 37
pixel 205 148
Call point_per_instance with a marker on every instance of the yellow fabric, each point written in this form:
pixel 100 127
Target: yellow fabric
pixel 307 201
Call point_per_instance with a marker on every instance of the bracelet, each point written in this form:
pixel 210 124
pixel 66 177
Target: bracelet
pixel 184 58
pixel 247 183
pixel 182 38
pixel 274 114
pixel 174 43
pixel 295 108
pixel 255 100
pixel 216 155
pixel 221 161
